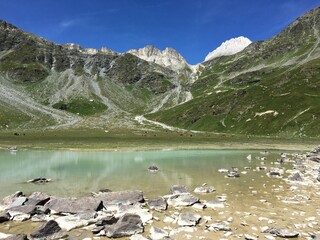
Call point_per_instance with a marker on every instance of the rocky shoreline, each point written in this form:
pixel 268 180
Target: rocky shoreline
pixel 289 210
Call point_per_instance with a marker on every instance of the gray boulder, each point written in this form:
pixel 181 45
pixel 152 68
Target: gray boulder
pixel 128 224
pixel 158 204
pixel 8 200
pixel 122 197
pixel 24 209
pixel 176 189
pixel 70 205
pixel 37 198
pixel 49 231
pixel 188 219
pixel 183 199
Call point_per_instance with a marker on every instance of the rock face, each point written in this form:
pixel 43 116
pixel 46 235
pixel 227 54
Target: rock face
pixel 127 225
pixel 49 230
pixel 167 58
pixel 230 47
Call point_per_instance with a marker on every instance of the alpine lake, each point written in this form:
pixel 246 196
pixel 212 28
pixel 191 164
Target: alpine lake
pixel 253 200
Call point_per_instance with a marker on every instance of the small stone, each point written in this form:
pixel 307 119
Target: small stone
pixel 97 230
pixel 204 189
pixel 153 169
pixel 249 237
pixel 219 227
pixel 158 233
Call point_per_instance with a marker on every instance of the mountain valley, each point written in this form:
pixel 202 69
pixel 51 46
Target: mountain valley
pixel 268 88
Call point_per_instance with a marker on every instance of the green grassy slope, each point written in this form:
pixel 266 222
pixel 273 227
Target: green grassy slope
pixel 272 87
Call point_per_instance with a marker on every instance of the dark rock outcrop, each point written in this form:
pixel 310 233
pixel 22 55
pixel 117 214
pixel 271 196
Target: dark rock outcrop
pixel 49 230
pixel 128 225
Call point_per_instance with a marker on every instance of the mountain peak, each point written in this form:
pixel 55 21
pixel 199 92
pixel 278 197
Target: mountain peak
pixel 229 47
pixel 169 57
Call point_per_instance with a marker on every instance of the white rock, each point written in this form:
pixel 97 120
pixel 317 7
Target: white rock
pixel 137 237
pixel 158 233
pixel 230 47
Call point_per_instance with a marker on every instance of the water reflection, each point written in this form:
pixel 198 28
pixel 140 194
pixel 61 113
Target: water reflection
pixel 79 173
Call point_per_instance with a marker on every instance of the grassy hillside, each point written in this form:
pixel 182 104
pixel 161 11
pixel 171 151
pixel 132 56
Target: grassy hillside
pixel 271 88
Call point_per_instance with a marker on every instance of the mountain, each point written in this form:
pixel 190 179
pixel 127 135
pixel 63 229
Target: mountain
pixel 229 47
pixel 269 88
pixel 47 84
pixel 169 57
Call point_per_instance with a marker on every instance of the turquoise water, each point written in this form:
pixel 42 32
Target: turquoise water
pixel 80 173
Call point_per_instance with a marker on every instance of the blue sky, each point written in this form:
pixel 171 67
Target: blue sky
pixel 193 27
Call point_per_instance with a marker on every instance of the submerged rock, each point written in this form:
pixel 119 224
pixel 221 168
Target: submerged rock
pixel 233 174
pixel 153 169
pixel 128 225
pixel 216 203
pixel 176 189
pixel 39 180
pixel 204 189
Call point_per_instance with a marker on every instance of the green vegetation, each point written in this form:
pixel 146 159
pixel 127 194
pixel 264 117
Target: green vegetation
pixel 81 106
pixel 125 139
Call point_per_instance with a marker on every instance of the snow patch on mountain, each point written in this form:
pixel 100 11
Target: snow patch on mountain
pixel 169 57
pixel 229 47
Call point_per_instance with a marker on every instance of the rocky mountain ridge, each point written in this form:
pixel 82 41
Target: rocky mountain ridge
pixel 44 84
